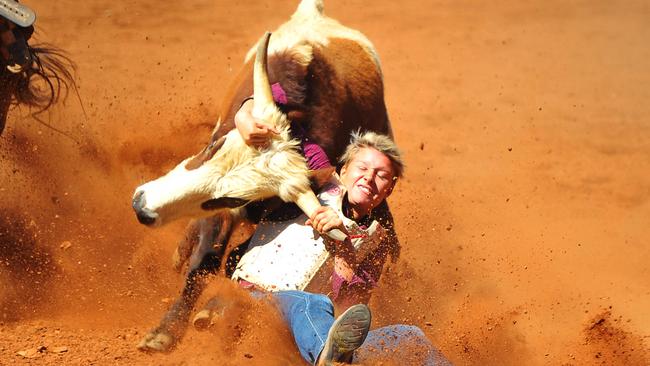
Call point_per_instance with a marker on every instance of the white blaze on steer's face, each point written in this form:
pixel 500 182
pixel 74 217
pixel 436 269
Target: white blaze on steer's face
pixel 368 179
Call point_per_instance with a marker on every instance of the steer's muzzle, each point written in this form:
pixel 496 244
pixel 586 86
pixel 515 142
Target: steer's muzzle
pixel 145 216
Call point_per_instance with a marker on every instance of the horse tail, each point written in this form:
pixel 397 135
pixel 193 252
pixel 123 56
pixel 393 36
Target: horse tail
pixel 55 69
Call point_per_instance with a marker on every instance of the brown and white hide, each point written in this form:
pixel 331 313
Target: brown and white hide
pixel 333 82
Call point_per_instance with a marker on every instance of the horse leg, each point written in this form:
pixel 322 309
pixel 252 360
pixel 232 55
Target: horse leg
pixel 205 260
pixel 5 101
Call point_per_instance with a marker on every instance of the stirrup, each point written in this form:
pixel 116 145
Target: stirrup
pixel 17 13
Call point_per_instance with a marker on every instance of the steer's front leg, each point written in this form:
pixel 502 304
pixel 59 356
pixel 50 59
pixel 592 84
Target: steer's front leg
pixel 205 260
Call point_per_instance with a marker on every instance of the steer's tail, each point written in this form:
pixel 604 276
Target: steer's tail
pixel 309 8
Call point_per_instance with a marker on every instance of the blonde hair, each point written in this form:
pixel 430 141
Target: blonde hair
pixel 379 142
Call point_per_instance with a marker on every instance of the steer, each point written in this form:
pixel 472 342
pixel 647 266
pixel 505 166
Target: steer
pixel 235 173
pixel 21 64
pixel 333 84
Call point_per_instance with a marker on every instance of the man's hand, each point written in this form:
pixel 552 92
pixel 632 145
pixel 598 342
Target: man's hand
pixel 254 131
pixel 324 219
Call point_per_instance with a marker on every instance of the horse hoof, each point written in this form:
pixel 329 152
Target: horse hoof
pixel 156 342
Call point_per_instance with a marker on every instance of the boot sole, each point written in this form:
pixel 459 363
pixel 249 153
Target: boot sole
pixel 348 332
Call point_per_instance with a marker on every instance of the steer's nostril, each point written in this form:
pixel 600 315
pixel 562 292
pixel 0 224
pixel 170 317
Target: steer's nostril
pixel 145 216
pixel 138 201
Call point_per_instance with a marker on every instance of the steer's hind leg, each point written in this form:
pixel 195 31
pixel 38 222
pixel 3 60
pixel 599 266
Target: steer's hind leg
pixel 216 306
pixel 213 309
pixel 187 245
pixel 205 260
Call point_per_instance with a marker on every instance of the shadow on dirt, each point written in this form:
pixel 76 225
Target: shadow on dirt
pixel 26 269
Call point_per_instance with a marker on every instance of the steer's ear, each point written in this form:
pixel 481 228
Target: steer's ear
pixel 223 202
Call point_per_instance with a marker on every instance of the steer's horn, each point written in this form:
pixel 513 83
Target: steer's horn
pixel 263 98
pixel 262 94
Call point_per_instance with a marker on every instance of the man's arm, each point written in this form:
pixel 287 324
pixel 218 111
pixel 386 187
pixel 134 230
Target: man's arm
pixel 353 278
pixel 349 289
pixel 354 284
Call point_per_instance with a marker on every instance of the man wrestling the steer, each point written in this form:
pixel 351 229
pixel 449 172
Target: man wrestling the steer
pixel 285 258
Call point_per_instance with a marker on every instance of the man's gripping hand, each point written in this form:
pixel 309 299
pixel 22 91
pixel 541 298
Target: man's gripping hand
pixel 324 219
pixel 254 131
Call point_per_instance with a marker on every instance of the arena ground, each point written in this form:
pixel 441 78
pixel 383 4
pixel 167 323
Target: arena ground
pixel 523 215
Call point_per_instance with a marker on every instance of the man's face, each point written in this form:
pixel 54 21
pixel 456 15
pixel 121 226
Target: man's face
pixel 368 178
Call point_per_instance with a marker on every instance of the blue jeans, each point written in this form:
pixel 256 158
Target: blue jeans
pixel 403 344
pixel 310 316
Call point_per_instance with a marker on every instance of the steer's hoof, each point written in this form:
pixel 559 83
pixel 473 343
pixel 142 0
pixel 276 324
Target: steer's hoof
pixel 213 310
pixel 157 341
pixel 206 318
pixel 202 320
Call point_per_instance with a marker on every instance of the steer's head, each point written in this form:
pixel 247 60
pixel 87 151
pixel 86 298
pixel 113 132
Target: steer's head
pixel 228 173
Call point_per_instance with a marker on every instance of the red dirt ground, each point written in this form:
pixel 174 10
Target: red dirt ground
pixel 524 213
